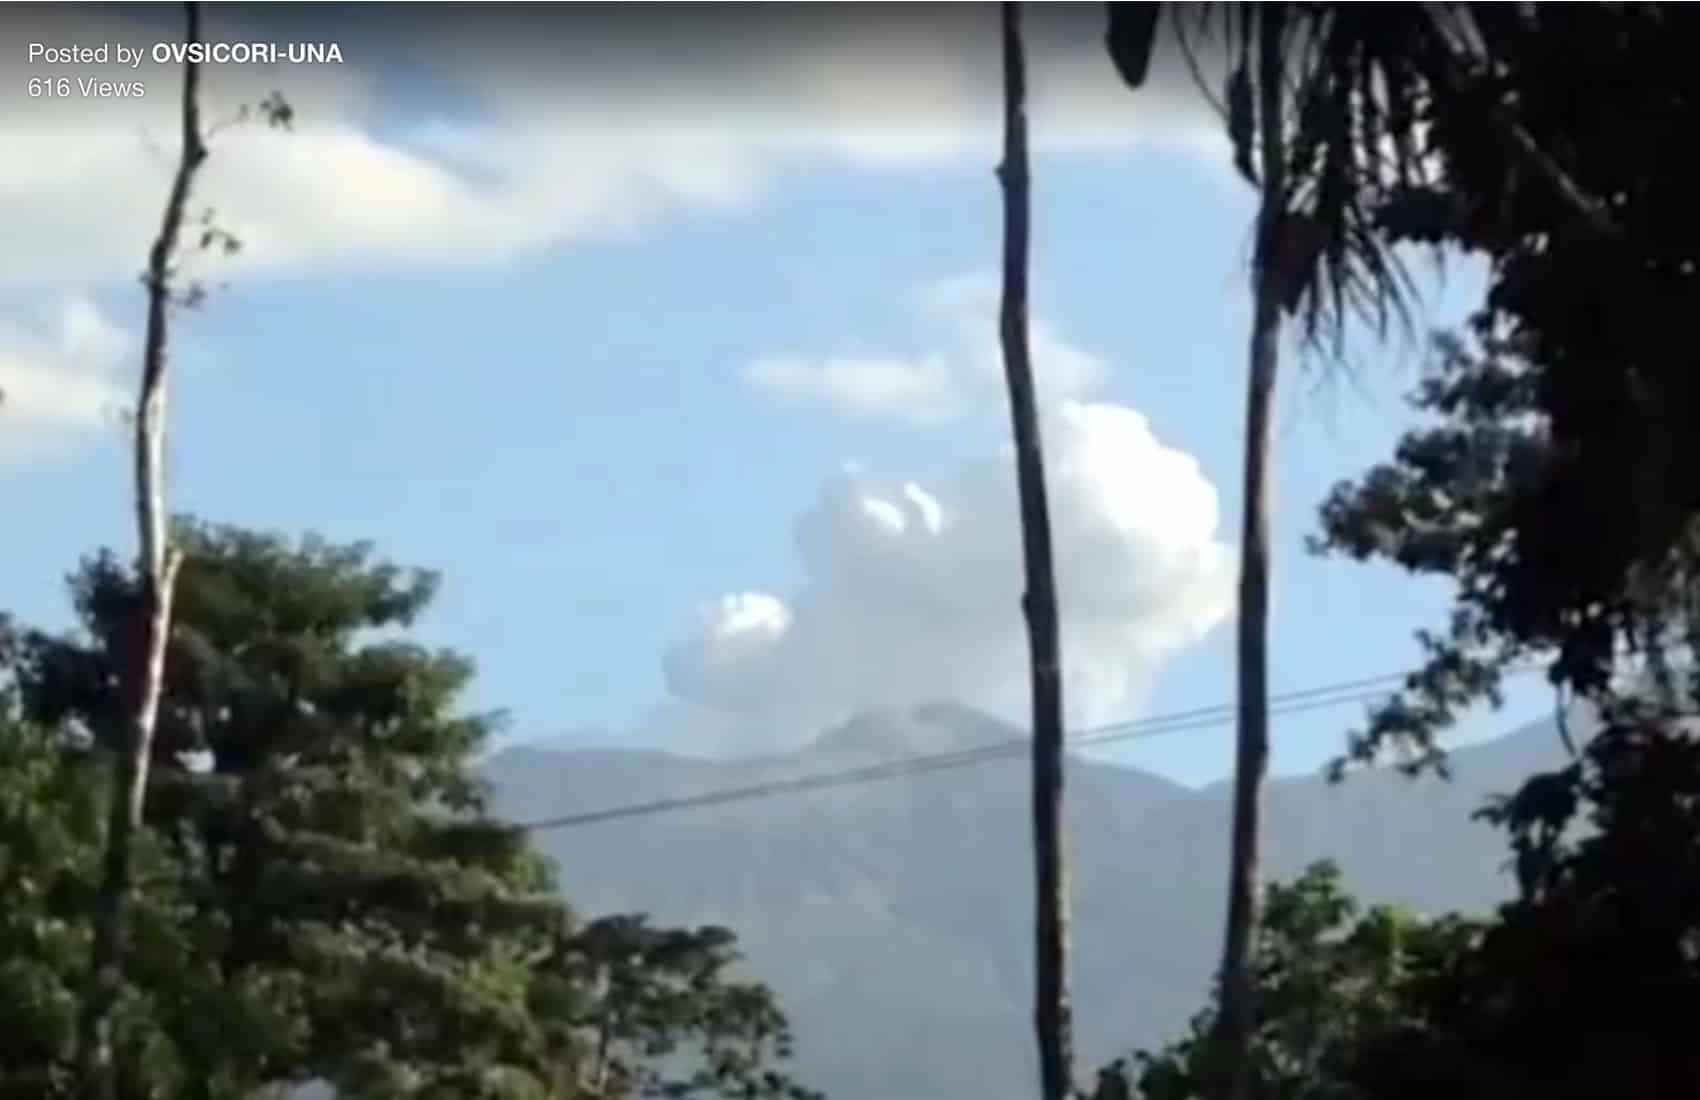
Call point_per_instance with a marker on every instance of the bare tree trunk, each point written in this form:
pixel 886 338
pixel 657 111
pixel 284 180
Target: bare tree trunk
pixel 1052 1014
pixel 604 1033
pixel 157 566
pixel 1237 1012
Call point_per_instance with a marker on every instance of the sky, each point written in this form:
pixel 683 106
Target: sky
pixel 671 344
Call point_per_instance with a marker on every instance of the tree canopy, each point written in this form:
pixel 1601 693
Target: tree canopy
pixel 324 895
pixel 1558 486
pixel 1552 481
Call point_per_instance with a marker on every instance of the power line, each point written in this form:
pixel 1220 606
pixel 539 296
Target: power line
pixel 1286 703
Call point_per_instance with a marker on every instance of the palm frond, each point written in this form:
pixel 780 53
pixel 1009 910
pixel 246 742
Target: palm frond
pixel 1355 131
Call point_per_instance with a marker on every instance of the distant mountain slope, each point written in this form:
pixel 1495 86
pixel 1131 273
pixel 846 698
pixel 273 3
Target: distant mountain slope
pixel 893 916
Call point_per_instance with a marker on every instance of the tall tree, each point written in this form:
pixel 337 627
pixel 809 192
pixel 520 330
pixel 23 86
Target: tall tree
pixel 1052 1011
pixel 358 919
pixel 144 672
pixel 1334 982
pixel 1270 279
pixel 1563 404
pixel 323 895
pixel 1351 123
pixel 1555 485
pixel 1322 108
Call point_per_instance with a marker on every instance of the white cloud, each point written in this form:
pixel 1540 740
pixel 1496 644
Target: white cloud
pixel 912 594
pixel 564 134
pixel 61 383
pixel 919 389
pixel 964 370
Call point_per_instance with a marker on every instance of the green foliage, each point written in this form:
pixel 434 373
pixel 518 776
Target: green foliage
pixel 1555 486
pixel 1560 486
pixel 1584 987
pixel 331 851
pixel 323 896
pixel 1330 980
pixel 51 826
pixel 49 832
pixel 1453 502
pixel 657 988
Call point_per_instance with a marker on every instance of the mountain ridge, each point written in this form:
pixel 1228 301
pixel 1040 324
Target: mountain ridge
pixel 893 916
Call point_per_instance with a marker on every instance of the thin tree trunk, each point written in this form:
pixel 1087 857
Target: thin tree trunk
pixel 1251 757
pixel 1052 1013
pixel 604 1032
pixel 157 566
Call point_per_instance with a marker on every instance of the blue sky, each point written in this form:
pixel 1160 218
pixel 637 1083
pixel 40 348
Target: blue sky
pixel 566 426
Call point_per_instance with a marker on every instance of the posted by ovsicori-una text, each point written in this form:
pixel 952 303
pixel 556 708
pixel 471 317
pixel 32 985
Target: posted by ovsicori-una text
pixel 118 70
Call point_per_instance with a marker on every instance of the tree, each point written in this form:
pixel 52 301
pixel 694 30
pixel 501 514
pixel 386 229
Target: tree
pixel 49 855
pixel 337 903
pixel 52 798
pixel 1332 981
pixel 1554 484
pixel 1320 109
pixel 1052 1012
pixel 1251 742
pixel 1560 407
pixel 1461 124
pixel 42 853
pixel 1323 119
pixel 144 669
pixel 1378 106
pixel 365 923
pixel 651 990
pixel 1581 986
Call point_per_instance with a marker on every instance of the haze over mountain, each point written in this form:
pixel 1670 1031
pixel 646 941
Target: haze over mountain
pixel 893 916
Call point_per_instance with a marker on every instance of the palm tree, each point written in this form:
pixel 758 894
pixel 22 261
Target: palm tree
pixel 1320 119
pixel 1327 123
pixel 157 565
pixel 1052 1013
pixel 1251 744
pixel 1320 105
